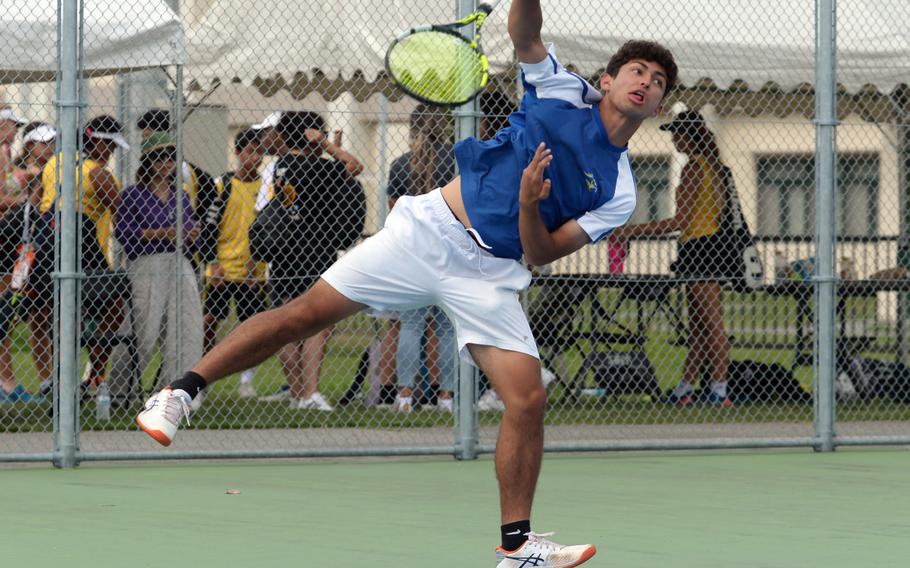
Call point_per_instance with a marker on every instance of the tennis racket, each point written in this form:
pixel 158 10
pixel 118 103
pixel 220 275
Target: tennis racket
pixel 436 64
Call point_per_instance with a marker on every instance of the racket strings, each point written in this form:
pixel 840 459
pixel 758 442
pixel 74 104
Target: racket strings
pixel 438 67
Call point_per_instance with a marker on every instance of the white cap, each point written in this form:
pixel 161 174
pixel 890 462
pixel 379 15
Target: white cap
pixel 271 121
pixel 44 133
pixel 115 137
pixel 6 113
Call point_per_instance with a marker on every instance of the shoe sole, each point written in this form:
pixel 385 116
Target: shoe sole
pixel 156 435
pixel 585 556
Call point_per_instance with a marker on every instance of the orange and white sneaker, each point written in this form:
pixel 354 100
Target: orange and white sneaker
pixel 162 413
pixel 539 552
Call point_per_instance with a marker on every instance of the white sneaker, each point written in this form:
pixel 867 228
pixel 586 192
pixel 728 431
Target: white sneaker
pixel 161 416
pixel 547 377
pixel 489 400
pixel 246 390
pixel 284 393
pixel 196 403
pixel 404 404
pixel 315 402
pixel 445 405
pixel 542 553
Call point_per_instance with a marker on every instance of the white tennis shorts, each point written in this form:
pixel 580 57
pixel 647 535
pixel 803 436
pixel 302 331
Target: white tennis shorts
pixel 425 256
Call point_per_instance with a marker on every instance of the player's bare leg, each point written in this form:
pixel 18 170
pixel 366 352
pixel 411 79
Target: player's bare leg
pixel 519 450
pixel 251 343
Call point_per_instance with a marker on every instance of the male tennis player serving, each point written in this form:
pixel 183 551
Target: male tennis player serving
pixel 558 177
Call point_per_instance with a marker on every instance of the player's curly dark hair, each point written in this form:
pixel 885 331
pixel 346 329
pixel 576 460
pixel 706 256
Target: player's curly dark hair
pixel 646 51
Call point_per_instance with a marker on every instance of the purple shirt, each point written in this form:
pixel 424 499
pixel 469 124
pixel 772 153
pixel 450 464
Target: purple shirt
pixel 140 209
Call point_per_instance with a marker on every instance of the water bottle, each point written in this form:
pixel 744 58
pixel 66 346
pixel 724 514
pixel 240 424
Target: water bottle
pixel 103 403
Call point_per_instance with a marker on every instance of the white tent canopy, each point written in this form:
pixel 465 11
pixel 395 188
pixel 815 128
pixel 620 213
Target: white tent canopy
pixel 119 36
pixel 721 40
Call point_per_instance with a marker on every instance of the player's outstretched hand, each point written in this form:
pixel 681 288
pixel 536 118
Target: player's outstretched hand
pixel 534 188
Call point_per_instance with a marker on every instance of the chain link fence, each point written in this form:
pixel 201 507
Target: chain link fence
pixel 694 326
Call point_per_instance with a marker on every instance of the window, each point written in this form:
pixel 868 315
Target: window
pixel 652 174
pixel 786 186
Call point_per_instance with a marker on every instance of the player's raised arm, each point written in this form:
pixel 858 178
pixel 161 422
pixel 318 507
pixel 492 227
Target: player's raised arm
pixel 525 21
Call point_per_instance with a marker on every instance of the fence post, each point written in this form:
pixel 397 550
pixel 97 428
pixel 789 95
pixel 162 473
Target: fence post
pixel 68 103
pixel 825 235
pixel 466 124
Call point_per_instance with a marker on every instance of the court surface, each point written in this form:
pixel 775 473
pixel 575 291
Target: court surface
pixel 849 509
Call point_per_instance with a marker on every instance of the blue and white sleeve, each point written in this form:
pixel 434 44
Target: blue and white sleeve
pixel 616 212
pixel 548 79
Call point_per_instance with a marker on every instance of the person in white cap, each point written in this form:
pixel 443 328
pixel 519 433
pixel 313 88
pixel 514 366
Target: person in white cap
pixel 10 197
pixel 98 198
pixel 9 185
pixel 36 292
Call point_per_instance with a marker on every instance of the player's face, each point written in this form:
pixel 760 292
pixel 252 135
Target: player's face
pixel 638 88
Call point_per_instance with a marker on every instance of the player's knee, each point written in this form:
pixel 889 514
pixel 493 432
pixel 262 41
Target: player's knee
pixel 530 401
pixel 299 319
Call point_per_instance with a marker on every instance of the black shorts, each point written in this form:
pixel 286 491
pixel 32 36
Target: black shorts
pixel 708 258
pixel 248 299
pixel 286 283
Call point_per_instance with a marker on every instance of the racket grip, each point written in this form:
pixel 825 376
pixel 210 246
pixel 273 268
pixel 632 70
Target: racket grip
pixel 486 8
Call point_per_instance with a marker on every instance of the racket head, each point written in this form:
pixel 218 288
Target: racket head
pixel 437 65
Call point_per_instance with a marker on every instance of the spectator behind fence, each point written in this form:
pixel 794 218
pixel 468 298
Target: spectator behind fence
pixel 327 207
pixel 31 293
pixel 146 228
pixel 234 275
pixel 704 259
pixel 99 194
pixel 429 164
pixel 198 184
pixel 13 192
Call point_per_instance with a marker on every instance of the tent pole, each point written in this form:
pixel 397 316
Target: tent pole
pixel 67 105
pixel 825 234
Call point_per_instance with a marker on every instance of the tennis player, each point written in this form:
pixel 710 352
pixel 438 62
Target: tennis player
pixel 557 178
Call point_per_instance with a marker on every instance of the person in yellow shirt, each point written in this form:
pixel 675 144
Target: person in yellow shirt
pixel 98 193
pixel 704 260
pixel 234 275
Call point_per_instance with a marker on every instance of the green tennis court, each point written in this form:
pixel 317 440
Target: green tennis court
pixel 700 510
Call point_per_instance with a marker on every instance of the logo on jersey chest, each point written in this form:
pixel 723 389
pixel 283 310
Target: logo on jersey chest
pixel 590 182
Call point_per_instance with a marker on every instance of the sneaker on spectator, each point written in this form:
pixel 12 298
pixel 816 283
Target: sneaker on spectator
pixel 489 400
pixel 715 399
pixel 547 377
pixel 404 404
pixel 681 400
pixel 445 405
pixel 315 402
pixel 246 390
pixel 18 394
pixel 542 553
pixel 284 393
pixel 162 413
pixel 196 404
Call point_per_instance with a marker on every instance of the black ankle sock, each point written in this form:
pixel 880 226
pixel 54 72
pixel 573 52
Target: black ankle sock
pixel 514 534
pixel 191 383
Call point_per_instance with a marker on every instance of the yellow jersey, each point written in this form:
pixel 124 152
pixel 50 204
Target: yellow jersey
pixel 90 204
pixel 233 236
pixel 704 219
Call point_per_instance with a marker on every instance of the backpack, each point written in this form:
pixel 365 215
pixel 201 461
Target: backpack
pixel 210 220
pixel 865 378
pixel 622 372
pixel 753 381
